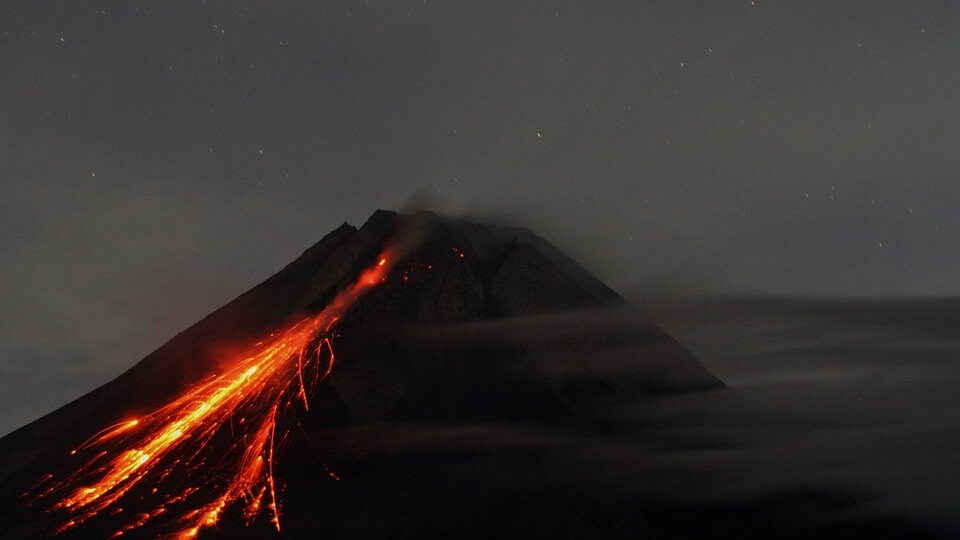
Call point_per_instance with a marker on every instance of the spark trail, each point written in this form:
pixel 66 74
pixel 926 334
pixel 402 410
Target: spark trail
pixel 212 445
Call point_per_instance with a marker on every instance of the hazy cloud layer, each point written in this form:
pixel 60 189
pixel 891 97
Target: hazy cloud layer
pixel 840 399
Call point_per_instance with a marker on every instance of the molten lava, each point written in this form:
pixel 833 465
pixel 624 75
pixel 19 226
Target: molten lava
pixel 212 445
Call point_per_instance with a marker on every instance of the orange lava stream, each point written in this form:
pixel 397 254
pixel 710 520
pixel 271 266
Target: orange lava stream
pixel 212 445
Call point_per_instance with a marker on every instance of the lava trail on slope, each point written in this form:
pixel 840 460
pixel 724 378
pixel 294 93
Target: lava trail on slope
pixel 212 445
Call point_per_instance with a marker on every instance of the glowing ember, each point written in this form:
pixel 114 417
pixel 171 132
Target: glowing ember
pixel 212 445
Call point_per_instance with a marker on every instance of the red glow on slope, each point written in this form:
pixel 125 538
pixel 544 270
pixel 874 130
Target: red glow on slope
pixel 212 445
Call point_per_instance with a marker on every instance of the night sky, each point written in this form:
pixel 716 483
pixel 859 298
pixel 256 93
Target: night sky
pixel 159 158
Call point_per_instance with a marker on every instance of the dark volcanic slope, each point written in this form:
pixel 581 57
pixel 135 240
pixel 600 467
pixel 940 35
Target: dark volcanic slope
pixel 473 328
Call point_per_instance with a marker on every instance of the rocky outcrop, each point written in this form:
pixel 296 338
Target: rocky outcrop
pixel 527 283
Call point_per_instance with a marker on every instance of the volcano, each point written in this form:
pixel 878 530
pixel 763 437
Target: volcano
pixel 403 379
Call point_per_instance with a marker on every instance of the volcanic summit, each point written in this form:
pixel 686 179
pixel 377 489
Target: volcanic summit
pixel 395 380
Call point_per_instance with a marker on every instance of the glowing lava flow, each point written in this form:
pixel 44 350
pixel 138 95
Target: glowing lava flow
pixel 212 445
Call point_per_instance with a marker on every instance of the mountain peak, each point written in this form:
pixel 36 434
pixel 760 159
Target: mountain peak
pixel 460 324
